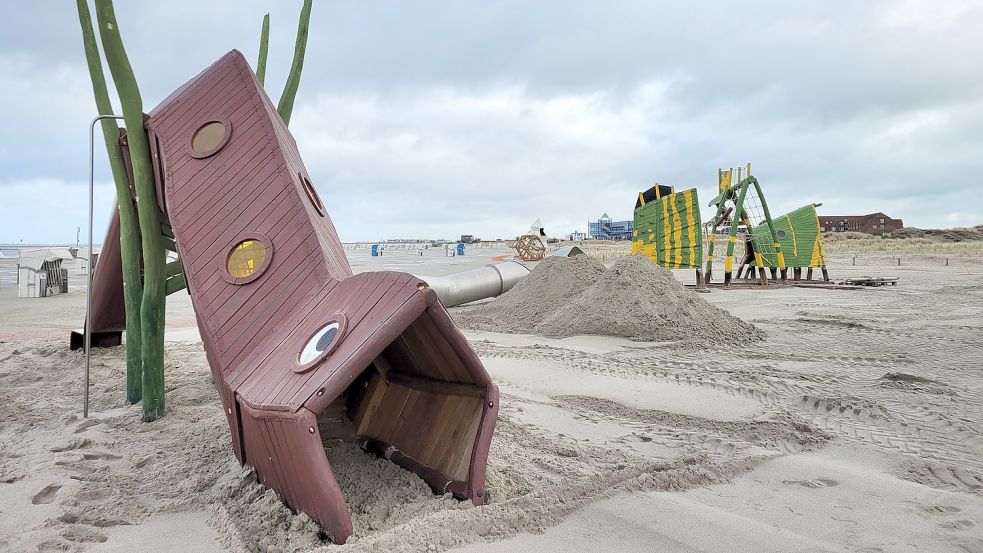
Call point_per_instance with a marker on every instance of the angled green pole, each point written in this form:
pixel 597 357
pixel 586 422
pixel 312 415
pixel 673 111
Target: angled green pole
pixel 712 238
pixel 286 105
pixel 732 234
pixel 779 255
pixel 154 255
pixel 129 233
pixel 264 48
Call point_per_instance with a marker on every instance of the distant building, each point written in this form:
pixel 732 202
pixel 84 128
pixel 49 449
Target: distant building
pixel 606 229
pixel 577 236
pixel 874 223
pixel 469 239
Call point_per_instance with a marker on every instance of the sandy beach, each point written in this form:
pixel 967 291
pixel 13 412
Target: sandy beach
pixel 854 425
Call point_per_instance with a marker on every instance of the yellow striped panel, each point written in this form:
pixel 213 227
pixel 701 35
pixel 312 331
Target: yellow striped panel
pixel 666 233
pixel 677 232
pixel 817 253
pixel 691 225
pixel 795 243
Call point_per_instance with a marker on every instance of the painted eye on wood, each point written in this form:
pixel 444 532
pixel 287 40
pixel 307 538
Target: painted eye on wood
pixel 319 343
pixel 246 258
pixel 312 195
pixel 209 138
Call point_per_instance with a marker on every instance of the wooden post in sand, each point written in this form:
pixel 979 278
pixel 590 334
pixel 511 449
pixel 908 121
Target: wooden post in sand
pixel 143 238
pixel 130 251
pixel 154 255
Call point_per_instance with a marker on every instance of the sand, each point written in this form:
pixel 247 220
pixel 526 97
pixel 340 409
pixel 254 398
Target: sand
pixel 853 425
pixel 553 282
pixel 634 298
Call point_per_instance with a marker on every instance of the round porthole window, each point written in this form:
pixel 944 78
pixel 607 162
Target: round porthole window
pixel 780 234
pixel 209 138
pixel 312 195
pixel 321 343
pixel 246 258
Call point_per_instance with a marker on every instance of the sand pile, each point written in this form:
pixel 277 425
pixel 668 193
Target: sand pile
pixel 555 281
pixel 634 299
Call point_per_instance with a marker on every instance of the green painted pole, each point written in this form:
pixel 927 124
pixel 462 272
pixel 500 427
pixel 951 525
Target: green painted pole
pixel 732 235
pixel 129 235
pixel 264 48
pixel 168 243
pixel 286 105
pixel 173 268
pixel 711 237
pixel 176 283
pixel 154 255
pixel 779 255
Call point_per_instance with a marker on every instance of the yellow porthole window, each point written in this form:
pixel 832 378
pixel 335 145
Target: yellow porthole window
pixel 209 138
pixel 246 258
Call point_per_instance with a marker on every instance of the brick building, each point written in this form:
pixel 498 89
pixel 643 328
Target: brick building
pixel 874 223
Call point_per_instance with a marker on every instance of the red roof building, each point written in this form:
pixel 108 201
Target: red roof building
pixel 873 223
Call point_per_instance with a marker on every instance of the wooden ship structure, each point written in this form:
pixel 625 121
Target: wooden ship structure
pixel 300 348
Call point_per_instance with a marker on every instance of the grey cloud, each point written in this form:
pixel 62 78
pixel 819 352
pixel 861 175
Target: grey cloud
pixel 474 117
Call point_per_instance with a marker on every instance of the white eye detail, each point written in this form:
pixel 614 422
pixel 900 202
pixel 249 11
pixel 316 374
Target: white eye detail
pixel 319 343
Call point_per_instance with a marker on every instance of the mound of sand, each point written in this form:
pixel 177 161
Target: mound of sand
pixel 635 299
pixel 554 282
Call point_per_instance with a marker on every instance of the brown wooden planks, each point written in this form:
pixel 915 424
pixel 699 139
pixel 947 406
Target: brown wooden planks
pixel 253 330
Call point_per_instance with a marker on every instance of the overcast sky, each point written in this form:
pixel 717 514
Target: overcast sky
pixel 435 119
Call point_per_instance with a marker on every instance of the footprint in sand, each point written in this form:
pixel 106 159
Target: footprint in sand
pixel 81 534
pixel 957 524
pixel 76 467
pixel 46 495
pixel 84 425
pixel 143 462
pixel 100 456
pixel 53 546
pixel 92 495
pixel 74 444
pixel 817 483
pixel 941 508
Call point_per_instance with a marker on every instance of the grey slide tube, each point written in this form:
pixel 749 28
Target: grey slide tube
pixel 476 284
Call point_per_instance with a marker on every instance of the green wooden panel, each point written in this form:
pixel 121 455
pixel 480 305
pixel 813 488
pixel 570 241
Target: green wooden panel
pixel 668 230
pixel 798 233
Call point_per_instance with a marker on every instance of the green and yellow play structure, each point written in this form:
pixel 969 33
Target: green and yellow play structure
pixel 669 231
pixel 668 228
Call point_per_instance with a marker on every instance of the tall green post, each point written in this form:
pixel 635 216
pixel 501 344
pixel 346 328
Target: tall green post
pixel 286 105
pixel 154 255
pixel 129 235
pixel 264 48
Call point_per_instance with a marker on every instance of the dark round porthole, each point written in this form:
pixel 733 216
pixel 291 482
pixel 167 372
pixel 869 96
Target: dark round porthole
pixel 209 138
pixel 312 194
pixel 780 234
pixel 320 344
